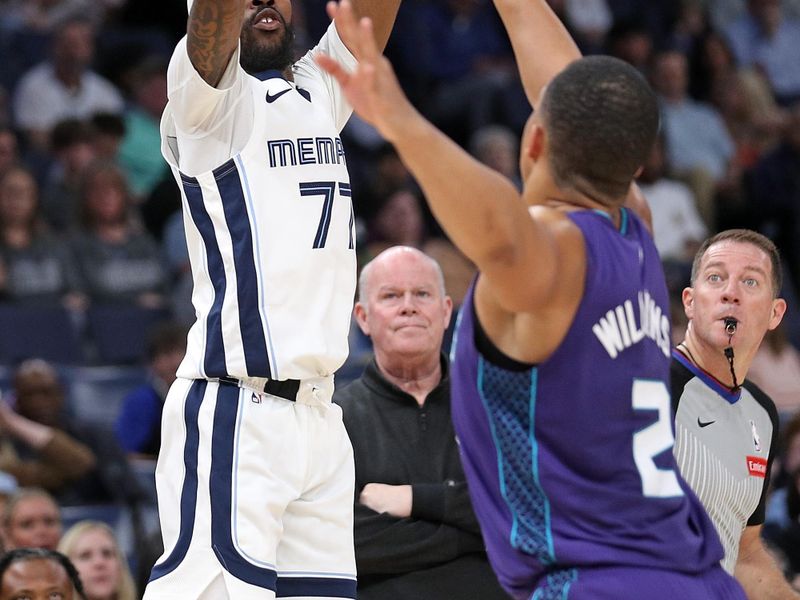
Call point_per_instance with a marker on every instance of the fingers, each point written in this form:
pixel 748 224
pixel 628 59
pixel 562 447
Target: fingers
pixel 331 66
pixel 357 34
pixel 367 48
pixel 330 8
pixel 346 23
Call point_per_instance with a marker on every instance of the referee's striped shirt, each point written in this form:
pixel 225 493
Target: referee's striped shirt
pixel 724 446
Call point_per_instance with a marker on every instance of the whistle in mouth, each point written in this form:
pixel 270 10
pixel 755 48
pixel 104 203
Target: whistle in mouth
pixel 730 325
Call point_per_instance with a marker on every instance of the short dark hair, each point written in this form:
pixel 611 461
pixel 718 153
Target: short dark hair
pixel 69 132
pixel 744 236
pixel 601 117
pixel 165 337
pixel 108 123
pixel 24 554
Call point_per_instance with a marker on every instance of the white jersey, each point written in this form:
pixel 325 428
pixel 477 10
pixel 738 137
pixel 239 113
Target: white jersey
pixel 268 216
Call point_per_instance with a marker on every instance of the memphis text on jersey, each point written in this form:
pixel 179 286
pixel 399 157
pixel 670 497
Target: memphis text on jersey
pixel 305 151
pixel 621 327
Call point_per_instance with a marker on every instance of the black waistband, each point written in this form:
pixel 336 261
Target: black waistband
pixel 286 388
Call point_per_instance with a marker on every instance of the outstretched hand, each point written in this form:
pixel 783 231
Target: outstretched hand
pixel 372 88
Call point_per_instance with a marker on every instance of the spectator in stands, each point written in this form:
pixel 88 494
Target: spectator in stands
pixel 5 110
pixel 415 533
pixel 657 16
pixel 773 192
pixel 589 21
pixel 108 131
pixel 72 143
pixel 786 464
pixel 723 12
pixel 782 528
pixel 8 487
pixel 176 252
pixel 65 86
pixel 742 95
pixel 713 60
pixel 9 149
pixel 776 370
pixel 46 15
pixel 459 50
pixel 699 146
pixel 766 38
pixel 140 152
pixel 31 519
pixel 632 42
pixel 117 260
pixel 496 146
pixel 166 18
pixel 690 27
pixel 678 229
pixel 38 267
pixel 40 398
pixel 751 134
pixel 386 174
pixel 103 569
pixel 34 573
pixel 40 455
pixel 138 427
pixel 400 222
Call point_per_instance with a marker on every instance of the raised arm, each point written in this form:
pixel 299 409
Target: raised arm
pixel 382 13
pixel 542 45
pixel 481 211
pixel 543 48
pixel 212 36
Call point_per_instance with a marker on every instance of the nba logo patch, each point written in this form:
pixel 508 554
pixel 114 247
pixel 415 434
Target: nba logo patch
pixel 756 439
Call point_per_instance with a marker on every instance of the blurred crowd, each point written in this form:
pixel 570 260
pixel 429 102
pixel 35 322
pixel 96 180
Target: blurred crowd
pixel 90 219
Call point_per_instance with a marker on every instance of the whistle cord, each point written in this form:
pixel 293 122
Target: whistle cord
pixel 729 356
pixel 689 352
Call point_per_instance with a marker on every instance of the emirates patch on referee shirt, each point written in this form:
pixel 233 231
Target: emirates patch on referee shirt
pixel 756 466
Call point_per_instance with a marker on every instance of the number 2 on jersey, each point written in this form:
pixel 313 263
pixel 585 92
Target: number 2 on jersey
pixel 654 439
pixel 326 189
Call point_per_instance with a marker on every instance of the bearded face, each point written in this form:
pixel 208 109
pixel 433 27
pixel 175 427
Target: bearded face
pixel 265 51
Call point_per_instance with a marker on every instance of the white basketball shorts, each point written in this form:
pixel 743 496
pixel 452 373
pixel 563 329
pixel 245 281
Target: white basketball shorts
pixel 255 495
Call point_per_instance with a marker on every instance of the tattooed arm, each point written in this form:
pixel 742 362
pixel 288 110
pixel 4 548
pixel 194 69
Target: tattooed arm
pixel 213 35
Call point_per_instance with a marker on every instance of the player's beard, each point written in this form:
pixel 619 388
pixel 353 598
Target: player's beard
pixel 256 57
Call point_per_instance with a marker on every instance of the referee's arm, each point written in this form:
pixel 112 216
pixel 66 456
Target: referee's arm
pixel 757 571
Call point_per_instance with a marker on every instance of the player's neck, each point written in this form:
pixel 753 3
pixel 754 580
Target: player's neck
pixel 286 73
pixel 541 189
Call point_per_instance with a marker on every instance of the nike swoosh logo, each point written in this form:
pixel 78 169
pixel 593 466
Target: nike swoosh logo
pixel 272 97
pixel 704 424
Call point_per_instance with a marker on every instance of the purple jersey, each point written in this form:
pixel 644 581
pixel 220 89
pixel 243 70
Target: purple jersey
pixel 570 462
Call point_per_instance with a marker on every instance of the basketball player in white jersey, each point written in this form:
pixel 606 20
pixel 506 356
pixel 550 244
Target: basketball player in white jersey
pixel 255 473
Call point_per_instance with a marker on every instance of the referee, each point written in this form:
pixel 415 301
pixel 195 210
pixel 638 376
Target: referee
pixel 725 427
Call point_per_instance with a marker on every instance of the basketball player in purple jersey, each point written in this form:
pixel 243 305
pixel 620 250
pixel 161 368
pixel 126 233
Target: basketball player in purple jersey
pixel 561 359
